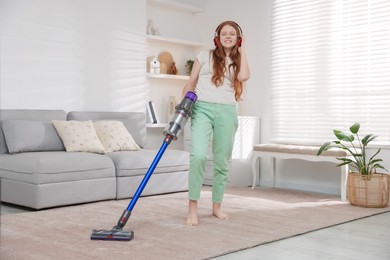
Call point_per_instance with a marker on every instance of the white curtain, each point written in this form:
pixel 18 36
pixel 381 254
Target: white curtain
pixel 330 69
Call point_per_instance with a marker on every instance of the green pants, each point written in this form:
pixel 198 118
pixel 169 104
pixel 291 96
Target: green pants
pixel 220 122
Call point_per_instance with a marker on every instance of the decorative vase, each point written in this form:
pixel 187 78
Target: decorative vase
pixel 370 191
pixel 173 69
pixel 171 107
pixel 150 28
pixel 154 66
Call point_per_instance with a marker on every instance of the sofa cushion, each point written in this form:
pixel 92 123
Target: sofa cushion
pixel 135 122
pixel 29 136
pixel 52 167
pixel 27 114
pixel 133 163
pixel 114 136
pixel 79 136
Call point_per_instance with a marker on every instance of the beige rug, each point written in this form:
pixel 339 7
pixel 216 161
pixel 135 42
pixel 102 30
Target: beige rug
pixel 257 217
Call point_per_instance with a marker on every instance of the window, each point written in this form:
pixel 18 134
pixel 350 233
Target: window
pixel 330 69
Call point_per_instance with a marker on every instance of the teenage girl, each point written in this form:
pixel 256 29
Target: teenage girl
pixel 217 78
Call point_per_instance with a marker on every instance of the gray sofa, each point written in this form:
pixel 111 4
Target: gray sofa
pixel 39 173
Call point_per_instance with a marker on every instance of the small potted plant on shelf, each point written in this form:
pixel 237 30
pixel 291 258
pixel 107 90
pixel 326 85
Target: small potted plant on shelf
pixel 366 187
pixel 189 65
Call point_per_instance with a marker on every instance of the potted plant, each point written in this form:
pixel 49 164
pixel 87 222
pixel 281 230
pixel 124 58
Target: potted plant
pixel 366 187
pixel 189 65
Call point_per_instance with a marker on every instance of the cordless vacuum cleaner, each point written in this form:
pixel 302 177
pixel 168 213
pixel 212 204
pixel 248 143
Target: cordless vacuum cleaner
pixel 182 113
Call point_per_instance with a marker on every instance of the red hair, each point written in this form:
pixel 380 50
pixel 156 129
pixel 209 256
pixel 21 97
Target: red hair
pixel 219 65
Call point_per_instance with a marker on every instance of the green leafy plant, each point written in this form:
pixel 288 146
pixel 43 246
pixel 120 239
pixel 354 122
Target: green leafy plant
pixel 356 148
pixel 189 65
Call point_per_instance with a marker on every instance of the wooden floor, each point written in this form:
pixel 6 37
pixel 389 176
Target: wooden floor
pixel 366 239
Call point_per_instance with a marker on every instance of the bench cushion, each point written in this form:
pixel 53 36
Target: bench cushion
pixel 297 149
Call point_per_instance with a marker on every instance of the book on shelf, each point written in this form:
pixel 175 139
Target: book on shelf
pixel 152 114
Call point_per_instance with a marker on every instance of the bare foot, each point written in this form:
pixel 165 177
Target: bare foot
pixel 217 212
pixel 192 219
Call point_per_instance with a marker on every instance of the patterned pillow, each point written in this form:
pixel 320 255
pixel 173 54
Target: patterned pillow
pixel 79 136
pixel 114 136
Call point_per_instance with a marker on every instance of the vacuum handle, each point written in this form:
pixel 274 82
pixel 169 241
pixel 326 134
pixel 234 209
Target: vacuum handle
pixel 147 177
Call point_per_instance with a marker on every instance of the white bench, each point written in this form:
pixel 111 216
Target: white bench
pixel 308 153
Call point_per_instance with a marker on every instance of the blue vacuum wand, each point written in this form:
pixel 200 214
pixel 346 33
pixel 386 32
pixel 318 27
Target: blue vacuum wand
pixel 182 113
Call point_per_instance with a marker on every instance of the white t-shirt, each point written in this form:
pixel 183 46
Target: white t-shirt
pixel 206 89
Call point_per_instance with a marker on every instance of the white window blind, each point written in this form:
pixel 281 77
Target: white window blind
pixel 330 69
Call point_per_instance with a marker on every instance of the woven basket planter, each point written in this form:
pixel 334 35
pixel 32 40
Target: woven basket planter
pixel 370 191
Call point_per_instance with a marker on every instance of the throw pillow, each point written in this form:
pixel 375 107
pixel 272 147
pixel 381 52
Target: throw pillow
pixel 114 136
pixel 31 136
pixel 78 136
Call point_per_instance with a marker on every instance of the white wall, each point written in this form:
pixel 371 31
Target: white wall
pixel 73 55
pixel 254 20
pixel 79 55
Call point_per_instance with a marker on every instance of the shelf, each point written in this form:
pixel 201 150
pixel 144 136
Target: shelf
pixel 157 38
pixel 168 76
pixel 173 5
pixel 159 125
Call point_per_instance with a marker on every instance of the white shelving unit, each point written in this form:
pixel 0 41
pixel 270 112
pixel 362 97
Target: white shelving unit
pixel 181 48
pixel 159 125
pixel 182 7
pixel 171 42
pixel 167 76
pixel 176 39
pixel 157 38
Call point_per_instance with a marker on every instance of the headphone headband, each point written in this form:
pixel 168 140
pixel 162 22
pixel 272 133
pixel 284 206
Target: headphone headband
pixel 239 40
pixel 226 22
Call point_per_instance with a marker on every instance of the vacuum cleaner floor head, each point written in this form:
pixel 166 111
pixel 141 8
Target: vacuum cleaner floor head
pixel 113 234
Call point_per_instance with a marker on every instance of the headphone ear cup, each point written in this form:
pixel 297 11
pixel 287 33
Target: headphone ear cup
pixel 216 41
pixel 239 41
